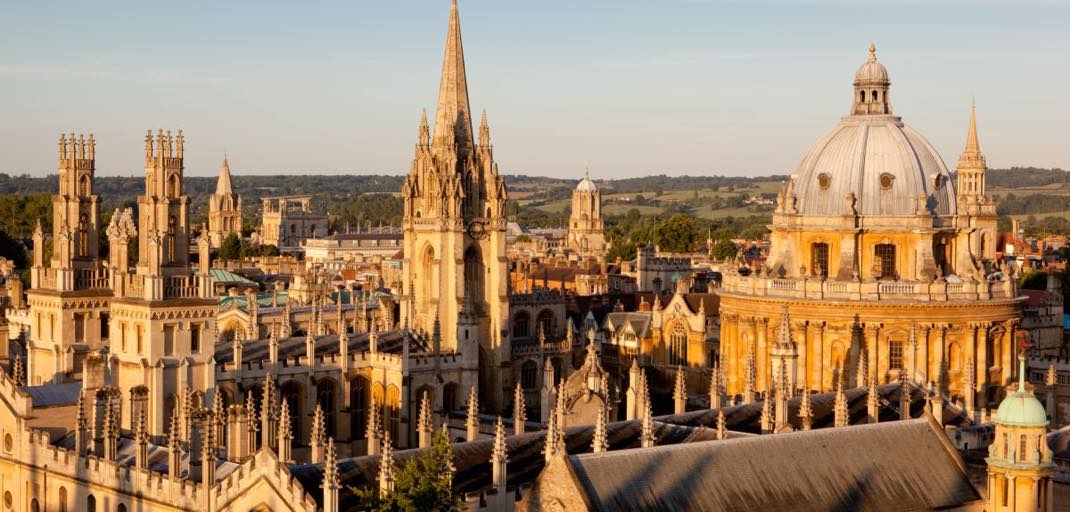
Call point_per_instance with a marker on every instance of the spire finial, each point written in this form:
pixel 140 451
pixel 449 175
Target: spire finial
pixel 973 144
pixel 872 51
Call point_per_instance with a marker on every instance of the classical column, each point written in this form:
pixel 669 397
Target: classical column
pixel 871 331
pixel 941 349
pixel 923 353
pixel 762 367
pixel 819 357
pixel 1012 493
pixel 802 346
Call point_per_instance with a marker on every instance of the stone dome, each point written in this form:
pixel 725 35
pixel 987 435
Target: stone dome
pixel 1021 408
pixel 872 162
pixel 872 71
pixel 586 185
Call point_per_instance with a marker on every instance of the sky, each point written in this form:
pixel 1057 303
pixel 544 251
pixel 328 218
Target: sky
pixel 624 87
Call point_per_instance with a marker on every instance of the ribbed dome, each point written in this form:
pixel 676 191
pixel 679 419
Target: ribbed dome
pixel 1021 409
pixel 873 157
pixel 586 185
pixel 886 165
pixel 871 71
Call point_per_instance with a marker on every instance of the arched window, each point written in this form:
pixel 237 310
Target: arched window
pixel 885 261
pixel 122 508
pixel 392 412
pixel 85 185
pixel 291 392
pixel 473 277
pixel 678 345
pixel 34 506
pixel 449 397
pixel 861 96
pixel 529 373
pixel 62 499
pixel 91 504
pixel 520 324
pixel 326 397
pixel 358 401
pixel 874 96
pixel 172 224
pixel 819 259
pixel 175 186
pixel 546 322
pixel 83 235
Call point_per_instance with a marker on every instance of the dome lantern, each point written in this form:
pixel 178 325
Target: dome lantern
pixel 871 88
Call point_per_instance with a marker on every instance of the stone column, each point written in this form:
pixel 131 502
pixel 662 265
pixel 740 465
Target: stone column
pixel 981 361
pixel 762 365
pixel 1012 493
pixel 818 363
pixel 802 346
pixel 941 358
pixel 923 353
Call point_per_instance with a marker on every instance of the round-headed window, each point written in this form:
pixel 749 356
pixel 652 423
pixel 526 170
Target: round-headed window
pixel 9 442
pixel 7 499
pixel 887 180
pixel 824 180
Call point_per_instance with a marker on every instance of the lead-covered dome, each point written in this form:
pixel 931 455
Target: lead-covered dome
pixel 586 185
pixel 872 163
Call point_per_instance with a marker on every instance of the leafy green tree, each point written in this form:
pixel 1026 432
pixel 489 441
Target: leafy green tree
pixel 231 248
pixel 12 250
pixel 1035 281
pixel 680 233
pixel 424 483
pixel 723 249
pixel 523 239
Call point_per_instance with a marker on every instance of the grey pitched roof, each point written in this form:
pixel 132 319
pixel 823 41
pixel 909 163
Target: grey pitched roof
pixel 51 395
pixel 903 465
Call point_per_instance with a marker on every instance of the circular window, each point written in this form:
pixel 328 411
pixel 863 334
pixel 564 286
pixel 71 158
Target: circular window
pixel 886 181
pixel 823 180
pixel 9 443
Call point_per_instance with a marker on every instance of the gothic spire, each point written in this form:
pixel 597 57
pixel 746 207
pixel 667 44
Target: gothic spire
pixel 806 412
pixel 453 110
pixel 873 407
pixel 386 467
pixel 519 410
pixel 223 186
pixel 972 143
pixel 424 422
pixel 722 430
pixel 842 416
pixel 679 392
pixel 472 421
pixel 600 441
pixel 499 455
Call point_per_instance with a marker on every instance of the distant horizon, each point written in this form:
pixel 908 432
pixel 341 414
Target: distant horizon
pixel 625 87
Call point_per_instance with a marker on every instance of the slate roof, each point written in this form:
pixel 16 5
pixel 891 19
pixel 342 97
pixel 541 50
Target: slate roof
pixel 53 395
pixel 903 465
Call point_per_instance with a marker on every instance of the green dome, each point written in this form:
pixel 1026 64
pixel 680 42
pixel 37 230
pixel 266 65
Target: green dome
pixel 1021 409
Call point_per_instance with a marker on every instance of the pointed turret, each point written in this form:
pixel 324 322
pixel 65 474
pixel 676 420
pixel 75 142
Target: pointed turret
pixel 748 389
pixel 842 415
pixel 174 449
pixel 223 185
pixel 499 457
pixel 634 378
pixel 484 130
pixel 423 426
pixel 330 483
pixel 386 467
pixel 766 419
pixel 717 389
pixel 316 440
pixel 372 431
pixel 599 441
pixel 141 442
pixel 679 392
pixel 904 398
pixel 722 429
pixel 806 412
pixel 453 110
pixel 81 437
pixel 873 407
pixel 472 420
pixel 554 437
pixel 862 373
pixel 285 441
pixel 520 414
pixel 646 435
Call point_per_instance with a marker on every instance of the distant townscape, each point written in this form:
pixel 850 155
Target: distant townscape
pixel 874 330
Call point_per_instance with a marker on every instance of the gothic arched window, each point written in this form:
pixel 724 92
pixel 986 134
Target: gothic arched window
pixel 358 400
pixel 172 225
pixel 678 345
pixel 520 324
pixel 529 374
pixel 83 235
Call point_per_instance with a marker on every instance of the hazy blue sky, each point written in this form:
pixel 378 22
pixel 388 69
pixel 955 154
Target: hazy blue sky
pixel 631 87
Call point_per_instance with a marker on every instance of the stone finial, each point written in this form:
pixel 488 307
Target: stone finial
pixel 472 421
pixel 372 431
pixel 499 456
pixel 717 389
pixel 806 412
pixel 842 415
pixel 749 376
pixel 174 448
pixel 862 375
pixel 424 422
pixel 18 372
pixel 386 467
pixel 646 437
pixel 82 424
pixel 679 392
pixel 722 429
pixel 767 412
pixel 285 440
pixel 904 398
pixel 600 441
pixel 318 434
pixel 330 483
pixel 519 410
pixel 780 413
pixel 562 403
pixel 111 432
pixel 141 441
pixel 873 400
pixel 267 413
pixel 554 437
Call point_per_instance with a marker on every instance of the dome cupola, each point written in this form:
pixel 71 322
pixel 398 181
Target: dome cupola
pixel 586 184
pixel 871 88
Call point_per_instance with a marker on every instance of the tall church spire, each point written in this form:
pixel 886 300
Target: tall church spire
pixel 453 109
pixel 223 186
pixel 972 144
